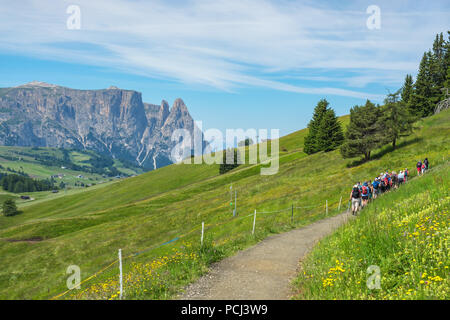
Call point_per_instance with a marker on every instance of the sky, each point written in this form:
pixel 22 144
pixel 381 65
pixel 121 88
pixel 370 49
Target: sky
pixel 258 64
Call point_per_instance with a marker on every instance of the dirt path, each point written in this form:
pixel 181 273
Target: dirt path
pixel 264 271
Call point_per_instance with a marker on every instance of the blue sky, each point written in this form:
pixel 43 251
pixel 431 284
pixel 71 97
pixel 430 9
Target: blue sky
pixel 237 64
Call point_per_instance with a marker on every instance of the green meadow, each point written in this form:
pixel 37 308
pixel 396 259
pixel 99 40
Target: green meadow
pixel 31 161
pixel 139 214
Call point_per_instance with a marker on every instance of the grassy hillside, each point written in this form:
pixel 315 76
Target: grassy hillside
pixel 404 233
pixel 143 212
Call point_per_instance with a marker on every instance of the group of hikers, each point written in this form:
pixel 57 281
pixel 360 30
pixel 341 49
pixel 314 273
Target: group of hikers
pixel 362 193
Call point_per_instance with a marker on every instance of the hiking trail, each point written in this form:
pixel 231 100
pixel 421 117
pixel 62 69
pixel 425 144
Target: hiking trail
pixel 264 271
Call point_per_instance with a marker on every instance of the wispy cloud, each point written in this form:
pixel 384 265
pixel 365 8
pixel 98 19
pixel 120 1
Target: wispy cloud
pixel 231 43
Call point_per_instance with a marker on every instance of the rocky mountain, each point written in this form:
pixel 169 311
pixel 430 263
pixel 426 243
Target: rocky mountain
pixel 111 121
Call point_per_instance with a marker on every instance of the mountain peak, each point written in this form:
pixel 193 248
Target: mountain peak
pixel 179 105
pixel 41 84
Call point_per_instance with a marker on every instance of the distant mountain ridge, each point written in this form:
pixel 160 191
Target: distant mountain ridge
pixel 110 121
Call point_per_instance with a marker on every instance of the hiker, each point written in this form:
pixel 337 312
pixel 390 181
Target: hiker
pixel 386 182
pixel 401 177
pixel 419 167
pixel 370 191
pixel 423 168
pixel 365 194
pixel 355 198
pixel 425 162
pixel 394 179
pixel 376 187
pixel 406 175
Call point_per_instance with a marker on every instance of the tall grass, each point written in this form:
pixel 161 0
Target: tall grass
pixel 405 234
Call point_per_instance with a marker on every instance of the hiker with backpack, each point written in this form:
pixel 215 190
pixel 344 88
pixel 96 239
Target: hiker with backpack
pixel 401 177
pixel 426 163
pixel 376 187
pixel 365 194
pixel 355 198
pixel 406 175
pixel 419 167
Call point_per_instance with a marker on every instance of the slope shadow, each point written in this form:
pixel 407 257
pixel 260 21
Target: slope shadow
pixel 385 150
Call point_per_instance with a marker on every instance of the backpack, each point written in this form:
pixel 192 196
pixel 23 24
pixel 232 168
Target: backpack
pixel 364 191
pixel 355 192
pixel 375 184
pixel 419 164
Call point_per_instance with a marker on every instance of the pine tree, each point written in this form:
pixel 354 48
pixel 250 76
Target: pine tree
pixel 420 103
pixel 330 135
pixel 407 89
pixel 395 120
pixel 438 63
pixel 363 132
pixel 310 143
pixel 230 161
pixel 10 208
pixel 447 62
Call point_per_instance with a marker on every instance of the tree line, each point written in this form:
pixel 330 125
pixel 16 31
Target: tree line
pixel 372 126
pixel 17 183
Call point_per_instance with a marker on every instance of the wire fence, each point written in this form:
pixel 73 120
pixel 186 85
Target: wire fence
pixel 326 206
pixel 206 227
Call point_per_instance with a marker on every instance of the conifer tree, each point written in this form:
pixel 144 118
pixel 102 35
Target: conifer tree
pixel 10 208
pixel 330 135
pixel 310 143
pixel 230 161
pixel 447 62
pixel 363 132
pixel 420 103
pixel 395 120
pixel 407 89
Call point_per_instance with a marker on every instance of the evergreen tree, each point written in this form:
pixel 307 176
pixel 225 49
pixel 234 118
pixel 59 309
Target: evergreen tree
pixel 420 104
pixel 407 89
pixel 363 132
pixel 10 208
pixel 230 161
pixel 310 144
pixel 438 67
pixel 447 62
pixel 330 135
pixel 395 120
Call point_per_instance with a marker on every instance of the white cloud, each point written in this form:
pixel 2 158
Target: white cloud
pixel 230 43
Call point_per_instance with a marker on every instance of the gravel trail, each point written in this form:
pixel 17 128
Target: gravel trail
pixel 264 271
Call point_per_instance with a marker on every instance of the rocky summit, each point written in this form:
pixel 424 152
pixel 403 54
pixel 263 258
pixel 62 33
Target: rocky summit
pixel 111 121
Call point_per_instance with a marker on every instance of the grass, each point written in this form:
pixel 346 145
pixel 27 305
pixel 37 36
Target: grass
pixel 142 212
pixel 404 233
